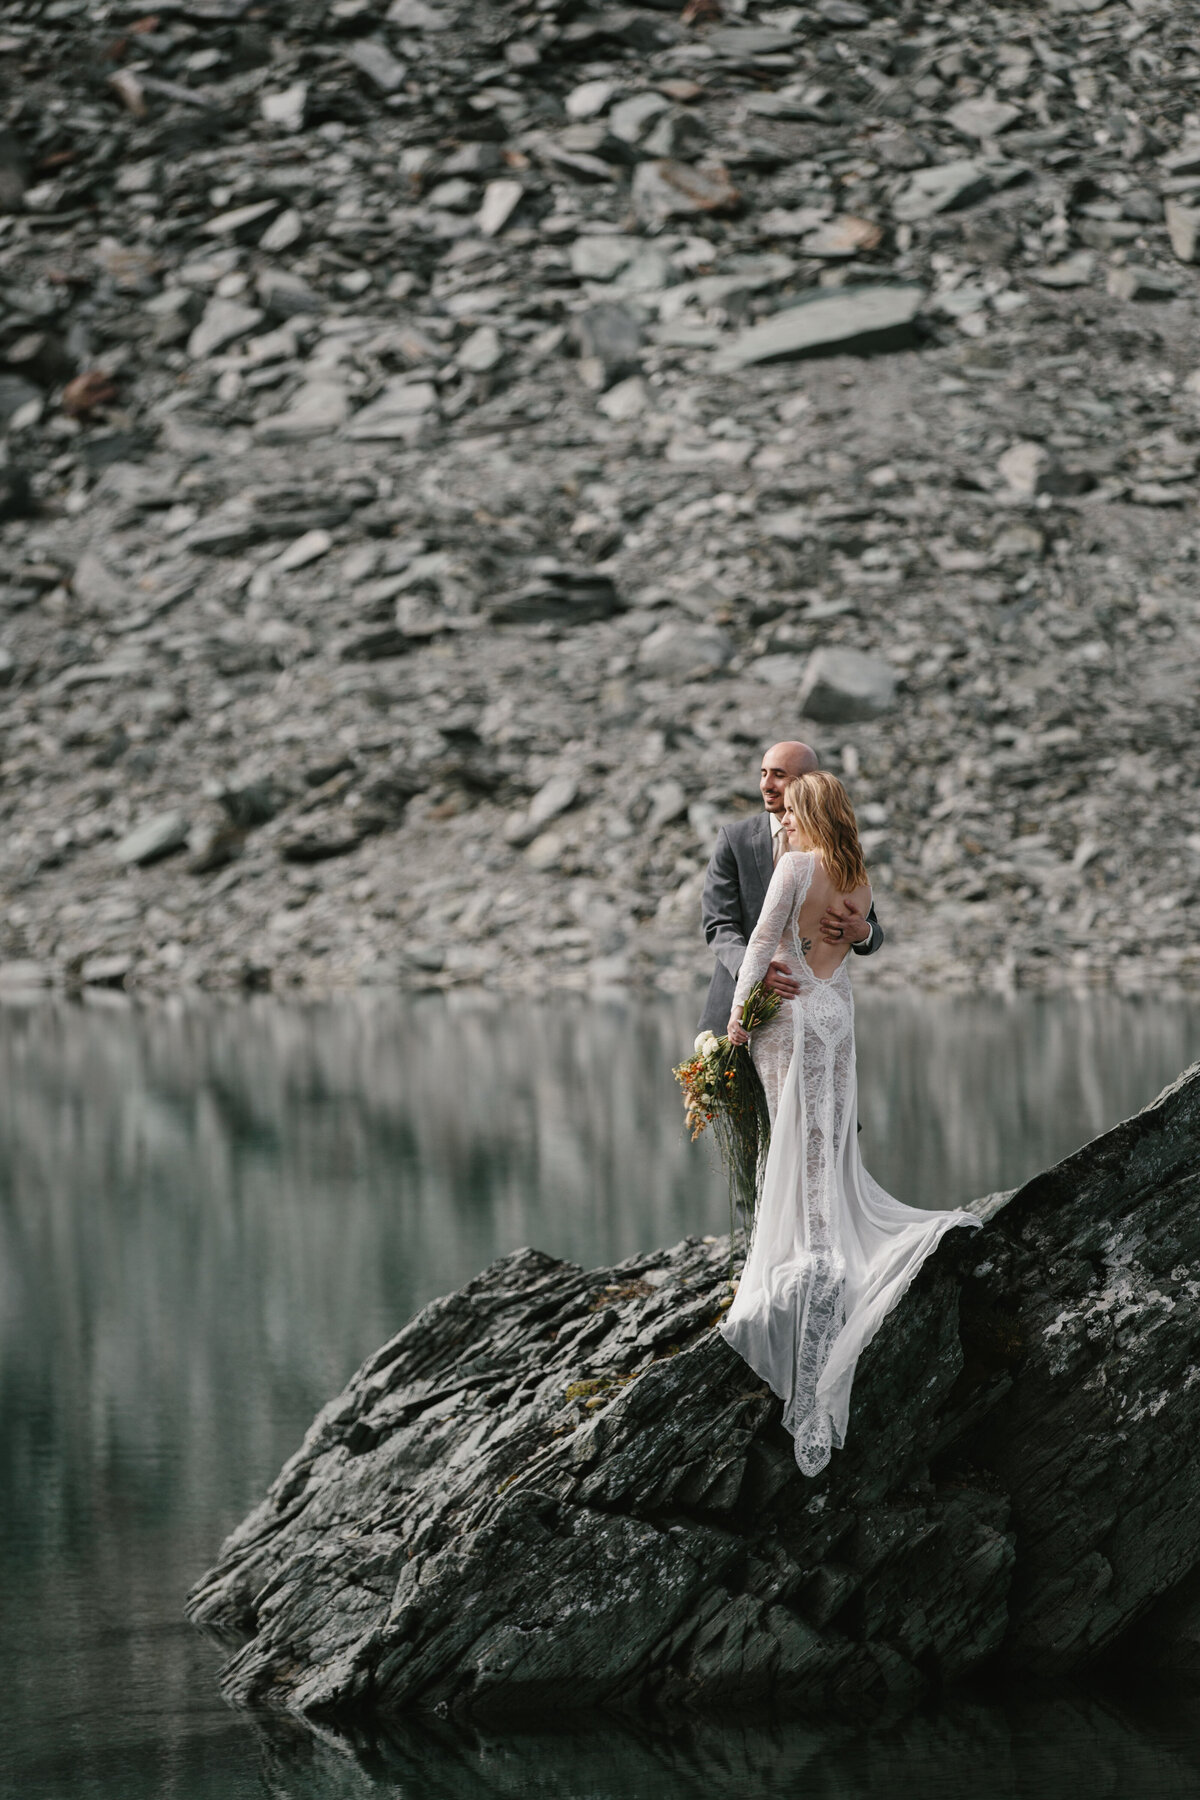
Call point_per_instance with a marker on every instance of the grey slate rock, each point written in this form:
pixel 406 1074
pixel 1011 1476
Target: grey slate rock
pixel 841 685
pixel 1018 1488
pixel 683 649
pixel 223 322
pixel 609 336
pixel 14 172
pixel 665 189
pixel 378 64
pixel 16 495
pixel 154 838
pixel 253 803
pixel 559 595
pixel 1183 228
pixel 983 117
pixel 861 320
pixel 1132 283
pixel 15 392
pixel 946 185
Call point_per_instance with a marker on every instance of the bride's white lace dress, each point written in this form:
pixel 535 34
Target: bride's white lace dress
pixel 831 1253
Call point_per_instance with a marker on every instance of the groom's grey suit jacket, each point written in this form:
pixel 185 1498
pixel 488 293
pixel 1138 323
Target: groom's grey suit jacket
pixel 735 886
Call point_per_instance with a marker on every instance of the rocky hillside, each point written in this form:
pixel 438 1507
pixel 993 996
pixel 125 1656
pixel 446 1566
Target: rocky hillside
pixel 556 1490
pixel 444 441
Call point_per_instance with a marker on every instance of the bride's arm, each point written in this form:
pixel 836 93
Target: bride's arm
pixel 772 922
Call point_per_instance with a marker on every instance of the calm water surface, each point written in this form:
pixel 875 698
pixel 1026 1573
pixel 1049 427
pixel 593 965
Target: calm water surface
pixel 210 1214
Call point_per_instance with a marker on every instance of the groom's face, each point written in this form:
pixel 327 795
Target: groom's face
pixel 781 764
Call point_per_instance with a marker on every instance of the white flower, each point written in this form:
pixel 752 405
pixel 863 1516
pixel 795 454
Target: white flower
pixel 705 1044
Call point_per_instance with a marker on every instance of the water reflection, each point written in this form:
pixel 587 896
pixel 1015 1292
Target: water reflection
pixel 1065 1744
pixel 209 1214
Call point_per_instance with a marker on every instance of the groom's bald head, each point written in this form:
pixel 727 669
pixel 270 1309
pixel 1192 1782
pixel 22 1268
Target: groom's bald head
pixel 781 764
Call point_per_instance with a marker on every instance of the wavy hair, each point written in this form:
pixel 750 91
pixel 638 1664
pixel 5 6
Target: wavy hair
pixel 825 821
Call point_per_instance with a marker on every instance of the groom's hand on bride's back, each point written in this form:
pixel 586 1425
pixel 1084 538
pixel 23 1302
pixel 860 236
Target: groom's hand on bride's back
pixel 844 924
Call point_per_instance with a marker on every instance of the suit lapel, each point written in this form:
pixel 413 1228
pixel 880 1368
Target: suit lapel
pixel 763 861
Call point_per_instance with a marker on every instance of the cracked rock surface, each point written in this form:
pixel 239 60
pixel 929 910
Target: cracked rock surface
pixel 559 1489
pixel 404 405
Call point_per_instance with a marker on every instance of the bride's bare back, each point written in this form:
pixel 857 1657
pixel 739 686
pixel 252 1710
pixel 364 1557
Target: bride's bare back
pixel 823 958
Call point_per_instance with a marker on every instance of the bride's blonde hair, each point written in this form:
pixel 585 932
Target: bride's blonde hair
pixel 825 821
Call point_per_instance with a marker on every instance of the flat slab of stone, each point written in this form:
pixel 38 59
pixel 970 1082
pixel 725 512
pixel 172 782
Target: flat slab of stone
pixel 677 190
pixel 1133 283
pixel 842 685
pixel 859 320
pixel 1072 272
pixel 106 971
pixel 1183 229
pixel 224 321
pixel 950 185
pixel 683 649
pixel 843 237
pixel 153 838
pixel 402 412
pixel 558 595
pixel 983 117
pixel 319 407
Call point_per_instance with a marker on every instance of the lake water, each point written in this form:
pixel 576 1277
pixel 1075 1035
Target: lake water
pixel 211 1213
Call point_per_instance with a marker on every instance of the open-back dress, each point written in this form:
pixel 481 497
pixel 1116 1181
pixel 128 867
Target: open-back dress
pixel 831 1253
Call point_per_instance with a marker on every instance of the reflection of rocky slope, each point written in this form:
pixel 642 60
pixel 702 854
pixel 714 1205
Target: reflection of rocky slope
pixel 558 1489
pixel 1035 1744
pixel 410 530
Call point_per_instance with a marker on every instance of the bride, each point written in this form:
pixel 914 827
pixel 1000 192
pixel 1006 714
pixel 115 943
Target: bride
pixel 831 1254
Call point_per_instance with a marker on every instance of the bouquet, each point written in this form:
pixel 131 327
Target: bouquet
pixel 721 1088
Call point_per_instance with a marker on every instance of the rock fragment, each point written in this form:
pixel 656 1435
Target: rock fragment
pixel 983 117
pixel 378 64
pixel 286 106
pixel 1132 283
pixel 665 189
pixel 106 971
pixel 560 594
pixel 1030 469
pixel 224 321
pixel 842 238
pixel 481 352
pixel 402 411
pixel 944 187
pixel 14 172
pixel 841 685
pixel 500 201
pixel 153 838
pixel 589 98
pixel 682 650
pixel 862 320
pixel 1183 228
pixel 627 400
pixel 1072 272
pixel 609 336
pixel 303 551
pixel 555 797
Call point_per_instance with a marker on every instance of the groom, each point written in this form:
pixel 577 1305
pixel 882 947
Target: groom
pixel 736 882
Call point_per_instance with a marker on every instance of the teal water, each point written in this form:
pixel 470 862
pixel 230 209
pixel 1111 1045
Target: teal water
pixel 210 1213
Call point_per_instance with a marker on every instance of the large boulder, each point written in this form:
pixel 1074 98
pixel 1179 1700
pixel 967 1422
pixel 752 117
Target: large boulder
pixel 842 685
pixel 559 1489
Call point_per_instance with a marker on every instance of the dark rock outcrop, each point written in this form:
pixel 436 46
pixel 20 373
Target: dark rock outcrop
pixel 558 1489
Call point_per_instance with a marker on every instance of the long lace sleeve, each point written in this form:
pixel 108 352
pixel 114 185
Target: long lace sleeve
pixel 789 884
